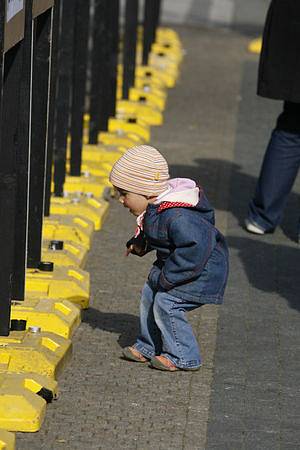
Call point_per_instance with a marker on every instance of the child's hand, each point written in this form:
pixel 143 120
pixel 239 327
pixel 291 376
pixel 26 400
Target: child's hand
pixel 137 245
pixel 128 250
pixel 135 250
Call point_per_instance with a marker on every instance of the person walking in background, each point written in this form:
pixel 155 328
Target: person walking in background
pixel 279 78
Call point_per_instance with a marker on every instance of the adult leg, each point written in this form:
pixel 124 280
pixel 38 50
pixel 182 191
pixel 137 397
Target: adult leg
pixel 179 344
pixel 148 342
pixel 279 170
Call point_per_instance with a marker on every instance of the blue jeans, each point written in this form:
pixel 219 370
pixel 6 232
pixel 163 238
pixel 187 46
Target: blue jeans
pixel 164 329
pixel 278 173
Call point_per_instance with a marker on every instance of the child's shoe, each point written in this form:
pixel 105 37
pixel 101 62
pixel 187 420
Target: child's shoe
pixel 163 363
pixel 132 354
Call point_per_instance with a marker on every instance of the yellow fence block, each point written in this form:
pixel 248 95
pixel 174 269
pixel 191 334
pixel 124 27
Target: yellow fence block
pixel 68 228
pixel 34 352
pixel 255 46
pixel 7 440
pixel 150 114
pixel 120 138
pixel 150 98
pixel 64 253
pixel 169 44
pixel 163 63
pixel 167 34
pixel 85 205
pixel 59 317
pixel 64 283
pixel 163 60
pixel 98 169
pixel 174 53
pixel 100 154
pixel 143 81
pixel 23 399
pixel 153 73
pixel 155 94
pixel 86 183
pixel 150 85
pixel 131 125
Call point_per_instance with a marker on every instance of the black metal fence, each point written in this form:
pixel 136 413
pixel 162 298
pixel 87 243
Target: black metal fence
pixel 44 51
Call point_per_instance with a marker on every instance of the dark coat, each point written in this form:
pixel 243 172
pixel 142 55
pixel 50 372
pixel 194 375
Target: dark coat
pixel 279 69
pixel 192 256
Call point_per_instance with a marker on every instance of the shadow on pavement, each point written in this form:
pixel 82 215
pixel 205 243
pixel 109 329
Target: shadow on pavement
pixel 270 268
pixel 242 188
pixel 126 325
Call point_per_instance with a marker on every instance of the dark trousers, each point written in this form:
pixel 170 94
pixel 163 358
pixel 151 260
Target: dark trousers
pixel 279 170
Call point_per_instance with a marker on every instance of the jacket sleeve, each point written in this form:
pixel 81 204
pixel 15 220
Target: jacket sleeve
pixel 193 244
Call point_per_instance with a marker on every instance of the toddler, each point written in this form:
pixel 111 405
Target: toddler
pixel 175 219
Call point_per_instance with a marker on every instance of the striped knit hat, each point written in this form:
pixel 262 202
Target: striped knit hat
pixel 141 170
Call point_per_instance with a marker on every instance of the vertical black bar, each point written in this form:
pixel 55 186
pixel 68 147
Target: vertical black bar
pixel 157 10
pixel 113 40
pixel 149 19
pixel 63 98
pixel 52 104
pixel 79 83
pixel 2 22
pixel 129 46
pixel 7 178
pixel 22 159
pixel 40 87
pixel 99 72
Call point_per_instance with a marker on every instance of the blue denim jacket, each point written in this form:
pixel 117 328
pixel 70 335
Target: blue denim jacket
pixel 192 255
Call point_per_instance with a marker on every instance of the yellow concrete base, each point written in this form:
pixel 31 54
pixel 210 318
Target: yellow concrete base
pixel 64 283
pixel 140 127
pixel 143 81
pixel 171 45
pixel 59 317
pixel 86 206
pixel 97 170
pixel 7 440
pixel 130 109
pixel 35 352
pixel 164 34
pixel 172 52
pixel 68 228
pixel 155 94
pixel 149 98
pixel 163 63
pixel 86 183
pixel 22 407
pixel 72 254
pixel 148 84
pixel 120 138
pixel 255 46
pixel 150 73
pixel 102 154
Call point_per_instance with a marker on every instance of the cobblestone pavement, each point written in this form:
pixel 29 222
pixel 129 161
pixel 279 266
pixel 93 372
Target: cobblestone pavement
pixel 245 395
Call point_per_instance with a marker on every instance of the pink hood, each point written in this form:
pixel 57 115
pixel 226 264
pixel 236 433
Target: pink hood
pixel 180 190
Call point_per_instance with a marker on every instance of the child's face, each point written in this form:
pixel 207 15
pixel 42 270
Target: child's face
pixel 136 203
